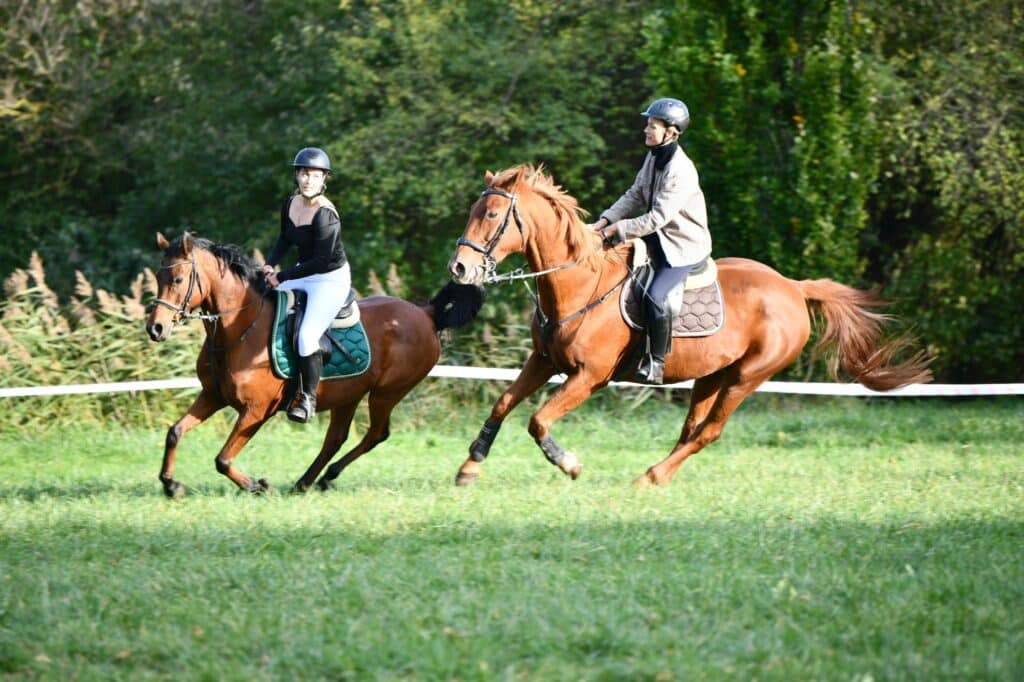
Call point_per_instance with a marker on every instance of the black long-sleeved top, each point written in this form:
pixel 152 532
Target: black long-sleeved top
pixel 319 244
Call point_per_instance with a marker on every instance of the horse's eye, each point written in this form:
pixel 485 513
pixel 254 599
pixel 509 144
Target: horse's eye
pixel 179 280
pixel 492 215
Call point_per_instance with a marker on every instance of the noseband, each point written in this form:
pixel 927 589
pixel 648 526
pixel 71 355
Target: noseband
pixel 490 264
pixel 181 312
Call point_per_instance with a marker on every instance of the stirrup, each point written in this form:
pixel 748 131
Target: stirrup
pixel 651 371
pixel 303 408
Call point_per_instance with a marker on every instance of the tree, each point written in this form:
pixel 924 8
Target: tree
pixel 949 213
pixel 414 100
pixel 783 128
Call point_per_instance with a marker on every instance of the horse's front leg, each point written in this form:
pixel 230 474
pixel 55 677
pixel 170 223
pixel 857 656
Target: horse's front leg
pixel 246 426
pixel 535 373
pixel 570 395
pixel 205 405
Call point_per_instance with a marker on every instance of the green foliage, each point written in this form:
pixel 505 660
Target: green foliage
pixel 782 125
pixel 413 101
pixel 950 213
pixel 865 141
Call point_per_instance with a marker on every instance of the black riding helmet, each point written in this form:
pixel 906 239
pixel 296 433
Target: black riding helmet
pixel 672 111
pixel 312 157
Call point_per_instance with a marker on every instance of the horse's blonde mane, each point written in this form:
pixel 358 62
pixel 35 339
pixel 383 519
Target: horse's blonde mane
pixel 527 178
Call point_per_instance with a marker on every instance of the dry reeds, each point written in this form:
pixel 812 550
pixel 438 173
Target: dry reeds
pixel 97 336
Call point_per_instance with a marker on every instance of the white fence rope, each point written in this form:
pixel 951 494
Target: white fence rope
pixel 499 374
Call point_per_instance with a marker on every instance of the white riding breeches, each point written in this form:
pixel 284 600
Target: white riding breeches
pixel 326 293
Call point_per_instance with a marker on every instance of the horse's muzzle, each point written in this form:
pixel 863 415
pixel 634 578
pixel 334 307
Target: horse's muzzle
pixel 156 331
pixel 461 274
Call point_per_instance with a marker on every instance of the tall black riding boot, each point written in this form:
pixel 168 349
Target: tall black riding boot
pixel 659 336
pixel 303 406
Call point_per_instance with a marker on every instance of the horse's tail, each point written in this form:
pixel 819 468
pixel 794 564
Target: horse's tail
pixel 852 338
pixel 455 305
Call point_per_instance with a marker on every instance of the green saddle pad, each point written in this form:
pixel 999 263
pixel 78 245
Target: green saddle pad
pixel 285 361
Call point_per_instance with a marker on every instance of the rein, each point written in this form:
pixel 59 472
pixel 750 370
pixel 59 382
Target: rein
pixel 523 273
pixel 490 265
pixel 215 318
pixel 182 311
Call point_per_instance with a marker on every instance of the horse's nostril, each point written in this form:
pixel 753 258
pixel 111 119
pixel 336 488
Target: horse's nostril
pixel 459 270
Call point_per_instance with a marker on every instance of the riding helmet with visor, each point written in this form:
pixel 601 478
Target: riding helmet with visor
pixel 312 157
pixel 670 110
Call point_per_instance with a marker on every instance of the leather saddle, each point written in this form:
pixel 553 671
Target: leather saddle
pixel 347 316
pixel 695 306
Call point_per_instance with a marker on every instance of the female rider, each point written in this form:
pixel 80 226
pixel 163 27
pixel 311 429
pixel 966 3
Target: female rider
pixel 674 226
pixel 310 222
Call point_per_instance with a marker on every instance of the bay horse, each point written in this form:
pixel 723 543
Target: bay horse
pixel 767 322
pixel 234 365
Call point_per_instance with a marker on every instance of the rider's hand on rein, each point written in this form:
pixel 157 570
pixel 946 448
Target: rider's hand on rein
pixel 609 236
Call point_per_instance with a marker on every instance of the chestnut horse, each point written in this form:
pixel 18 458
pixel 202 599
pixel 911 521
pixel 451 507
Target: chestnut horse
pixel 234 363
pixel 767 322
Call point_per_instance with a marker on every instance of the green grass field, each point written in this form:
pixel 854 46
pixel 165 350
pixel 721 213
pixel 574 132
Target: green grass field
pixel 819 539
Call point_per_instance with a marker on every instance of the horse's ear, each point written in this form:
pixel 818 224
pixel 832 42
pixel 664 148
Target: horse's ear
pixel 161 241
pixel 488 178
pixel 186 243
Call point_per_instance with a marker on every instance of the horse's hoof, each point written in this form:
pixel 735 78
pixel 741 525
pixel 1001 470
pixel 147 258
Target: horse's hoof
pixel 466 479
pixel 261 487
pixel 324 485
pixel 300 488
pixel 643 482
pixel 174 490
pixel 571 465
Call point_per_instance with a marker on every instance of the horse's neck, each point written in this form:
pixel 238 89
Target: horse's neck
pixel 235 302
pixel 566 290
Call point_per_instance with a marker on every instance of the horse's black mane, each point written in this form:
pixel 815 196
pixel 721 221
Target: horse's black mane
pixel 232 256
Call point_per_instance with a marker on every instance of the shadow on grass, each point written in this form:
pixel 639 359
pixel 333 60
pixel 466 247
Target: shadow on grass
pixel 636 593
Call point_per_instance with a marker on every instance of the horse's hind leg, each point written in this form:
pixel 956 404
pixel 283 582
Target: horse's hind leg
pixel 714 400
pixel 205 405
pixel 535 373
pixel 380 405
pixel 702 399
pixel 337 434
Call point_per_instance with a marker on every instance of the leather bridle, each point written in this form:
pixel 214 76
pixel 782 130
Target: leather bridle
pixel 491 265
pixel 182 312
pixel 512 213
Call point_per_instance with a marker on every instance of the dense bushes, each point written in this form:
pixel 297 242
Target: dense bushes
pixel 876 144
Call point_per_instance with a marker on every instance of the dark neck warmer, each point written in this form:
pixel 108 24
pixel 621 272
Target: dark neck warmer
pixel 663 154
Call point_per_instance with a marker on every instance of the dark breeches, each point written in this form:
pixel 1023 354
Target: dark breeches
pixel 665 280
